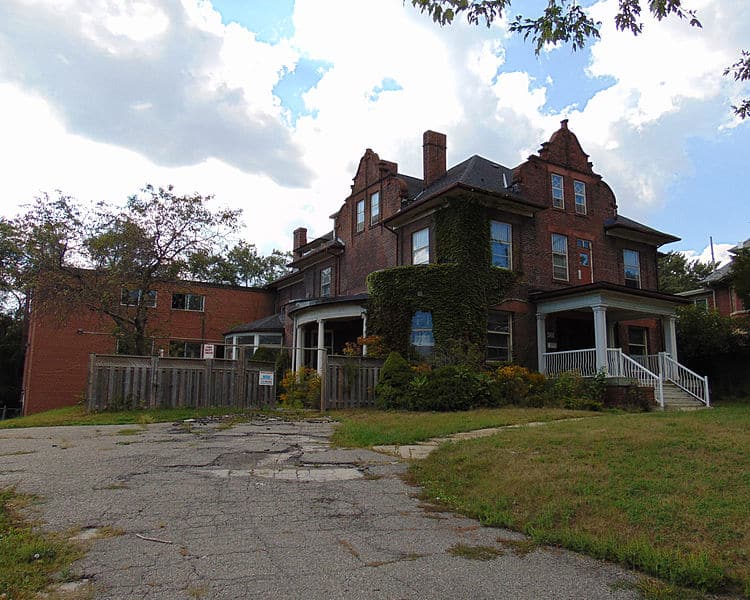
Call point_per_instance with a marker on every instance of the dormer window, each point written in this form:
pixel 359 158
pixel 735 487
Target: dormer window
pixel 580 193
pixel 558 196
pixel 360 216
pixel 375 208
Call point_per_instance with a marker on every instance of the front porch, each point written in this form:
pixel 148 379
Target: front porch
pixel 580 329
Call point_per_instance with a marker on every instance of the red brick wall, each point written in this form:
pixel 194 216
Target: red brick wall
pixel 57 355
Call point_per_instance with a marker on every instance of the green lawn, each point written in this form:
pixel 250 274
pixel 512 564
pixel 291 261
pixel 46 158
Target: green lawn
pixel 78 415
pixel 363 428
pixel 29 560
pixel 665 493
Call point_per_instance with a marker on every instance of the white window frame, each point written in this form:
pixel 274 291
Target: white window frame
pixel 375 208
pixel 558 255
pixel 643 343
pixel 508 333
pixel 579 190
pixel 420 255
pixel 184 344
pixel 636 268
pixel 503 242
pixel 188 298
pixel 325 282
pixel 360 222
pixel 558 191
pixel 126 293
pixel 415 333
pixel 233 341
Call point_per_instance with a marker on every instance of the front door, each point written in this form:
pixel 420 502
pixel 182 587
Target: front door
pixel 585 262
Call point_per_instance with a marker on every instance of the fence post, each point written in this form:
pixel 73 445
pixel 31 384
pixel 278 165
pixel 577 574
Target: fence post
pixel 153 392
pixel 323 358
pixel 241 377
pixel 208 387
pixel 90 384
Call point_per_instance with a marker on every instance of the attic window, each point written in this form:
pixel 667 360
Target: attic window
pixel 558 197
pixel 374 208
pixel 580 193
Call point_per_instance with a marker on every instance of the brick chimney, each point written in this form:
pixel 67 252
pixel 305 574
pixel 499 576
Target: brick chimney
pixel 300 239
pixel 433 156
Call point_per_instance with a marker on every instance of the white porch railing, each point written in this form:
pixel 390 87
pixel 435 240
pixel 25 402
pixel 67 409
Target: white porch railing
pixel 580 361
pixel 648 371
pixel 684 378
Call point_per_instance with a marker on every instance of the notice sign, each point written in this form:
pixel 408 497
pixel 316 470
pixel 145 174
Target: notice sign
pixel 265 378
pixel 209 350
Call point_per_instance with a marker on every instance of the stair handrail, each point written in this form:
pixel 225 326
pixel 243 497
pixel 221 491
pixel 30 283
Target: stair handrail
pixel 644 376
pixel 694 384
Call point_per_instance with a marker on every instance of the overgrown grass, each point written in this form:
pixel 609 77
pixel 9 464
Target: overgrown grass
pixel 363 428
pixel 78 415
pixel 665 493
pixel 29 560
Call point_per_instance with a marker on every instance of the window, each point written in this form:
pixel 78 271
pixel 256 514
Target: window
pixel 632 268
pixel 638 341
pixel 269 339
pixel 580 193
pixel 420 247
pixel 701 303
pixel 182 349
pixel 188 302
pixel 137 298
pixel 499 336
pixel 422 339
pixel 325 282
pixel 361 215
pixel 374 208
pixel 559 257
pixel 500 238
pixel 558 198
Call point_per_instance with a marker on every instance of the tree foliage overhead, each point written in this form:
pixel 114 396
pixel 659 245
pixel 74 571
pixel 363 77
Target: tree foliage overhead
pixel 741 273
pixel 239 265
pixel 112 260
pixel 565 21
pixel 678 274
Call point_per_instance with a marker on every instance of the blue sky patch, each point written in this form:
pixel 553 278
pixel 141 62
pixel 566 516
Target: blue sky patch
pixel 270 20
pixel 387 85
pixel 290 88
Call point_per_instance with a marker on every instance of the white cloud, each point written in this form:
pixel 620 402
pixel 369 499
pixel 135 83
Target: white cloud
pixel 720 254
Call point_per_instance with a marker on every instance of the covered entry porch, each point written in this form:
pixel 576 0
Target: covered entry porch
pixel 582 329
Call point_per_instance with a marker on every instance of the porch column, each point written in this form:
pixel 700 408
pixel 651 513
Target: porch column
pixel 299 350
pixel 321 345
pixel 541 341
pixel 670 335
pixel 611 334
pixel 600 337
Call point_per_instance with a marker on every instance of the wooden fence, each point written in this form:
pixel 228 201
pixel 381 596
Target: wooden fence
pixel 350 381
pixel 129 382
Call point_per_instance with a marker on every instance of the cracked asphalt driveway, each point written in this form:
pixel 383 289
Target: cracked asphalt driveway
pixel 267 509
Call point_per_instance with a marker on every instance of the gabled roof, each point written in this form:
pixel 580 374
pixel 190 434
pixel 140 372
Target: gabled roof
pixel 620 226
pixel 475 174
pixel 273 323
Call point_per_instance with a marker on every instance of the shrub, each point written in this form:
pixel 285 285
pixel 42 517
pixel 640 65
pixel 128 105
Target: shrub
pixel 571 390
pixel 265 354
pixel 301 389
pixel 511 384
pixel 390 392
pixel 448 388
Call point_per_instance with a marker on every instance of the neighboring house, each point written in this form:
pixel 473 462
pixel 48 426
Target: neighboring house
pixel 536 256
pixel 718 293
pixel 185 317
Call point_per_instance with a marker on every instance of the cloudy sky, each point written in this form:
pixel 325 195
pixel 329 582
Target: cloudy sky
pixel 269 104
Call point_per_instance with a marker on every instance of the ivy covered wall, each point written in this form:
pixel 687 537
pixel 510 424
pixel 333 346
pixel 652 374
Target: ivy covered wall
pixel 457 290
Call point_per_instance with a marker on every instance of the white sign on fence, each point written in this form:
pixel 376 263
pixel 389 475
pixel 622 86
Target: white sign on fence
pixel 265 378
pixel 209 350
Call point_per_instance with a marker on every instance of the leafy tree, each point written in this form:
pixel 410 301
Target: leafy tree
pixel 567 22
pixel 240 265
pixel 11 359
pixel 702 333
pixel 678 274
pixel 741 273
pixel 111 261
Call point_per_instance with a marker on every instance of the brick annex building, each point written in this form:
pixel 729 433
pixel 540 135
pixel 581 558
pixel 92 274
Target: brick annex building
pixel 524 264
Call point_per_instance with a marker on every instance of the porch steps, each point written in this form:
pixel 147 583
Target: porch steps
pixel 675 398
